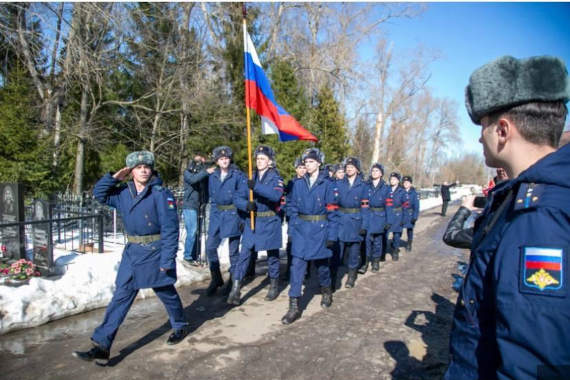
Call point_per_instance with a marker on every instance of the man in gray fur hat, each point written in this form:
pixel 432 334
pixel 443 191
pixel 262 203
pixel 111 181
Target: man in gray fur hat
pixel 512 314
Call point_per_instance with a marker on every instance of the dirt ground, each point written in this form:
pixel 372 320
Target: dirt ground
pixel 393 325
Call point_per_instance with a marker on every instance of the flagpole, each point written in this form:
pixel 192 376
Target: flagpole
pixel 249 161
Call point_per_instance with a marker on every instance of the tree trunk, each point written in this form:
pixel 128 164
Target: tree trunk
pixel 80 155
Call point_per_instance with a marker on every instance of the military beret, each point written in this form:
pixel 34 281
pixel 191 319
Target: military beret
pixel 266 151
pixel 508 82
pixel 407 178
pixel 222 151
pixel 352 161
pixel 313 153
pixel 142 157
pixel 377 166
pixel 395 174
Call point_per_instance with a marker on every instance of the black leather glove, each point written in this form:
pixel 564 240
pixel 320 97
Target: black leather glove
pixel 331 244
pixel 251 183
pixel 251 206
pixel 387 227
pixel 362 232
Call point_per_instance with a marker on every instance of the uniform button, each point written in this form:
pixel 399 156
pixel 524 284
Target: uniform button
pixel 146 216
pixel 471 301
pixel 462 303
pixel 149 223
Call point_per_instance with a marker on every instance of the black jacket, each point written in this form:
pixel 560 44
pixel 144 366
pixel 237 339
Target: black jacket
pixel 445 195
pixel 455 235
pixel 195 188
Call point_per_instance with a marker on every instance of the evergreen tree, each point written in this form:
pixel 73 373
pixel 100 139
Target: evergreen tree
pixel 24 155
pixel 329 127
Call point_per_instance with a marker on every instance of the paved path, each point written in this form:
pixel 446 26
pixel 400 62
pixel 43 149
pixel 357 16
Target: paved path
pixel 393 325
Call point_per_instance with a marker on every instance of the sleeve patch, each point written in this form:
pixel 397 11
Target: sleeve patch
pixel 542 271
pixel 171 203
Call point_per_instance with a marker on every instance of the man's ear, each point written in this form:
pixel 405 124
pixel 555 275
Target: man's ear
pixel 505 130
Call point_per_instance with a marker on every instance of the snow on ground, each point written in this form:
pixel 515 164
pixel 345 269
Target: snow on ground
pixel 86 281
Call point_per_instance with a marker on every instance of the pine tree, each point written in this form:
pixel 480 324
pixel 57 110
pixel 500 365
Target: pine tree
pixel 329 127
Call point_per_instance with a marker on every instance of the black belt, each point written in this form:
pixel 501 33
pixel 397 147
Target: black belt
pixel 145 239
pixel 377 208
pixel 312 218
pixel 265 214
pixel 349 210
pixel 226 207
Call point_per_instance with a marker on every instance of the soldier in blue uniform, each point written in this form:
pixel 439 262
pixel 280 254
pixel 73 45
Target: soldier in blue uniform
pixel 149 259
pixel 394 215
pixel 267 187
pixel 226 220
pixel 300 172
pixel 376 222
pixel 353 207
pixel 314 228
pixel 513 310
pixel 411 209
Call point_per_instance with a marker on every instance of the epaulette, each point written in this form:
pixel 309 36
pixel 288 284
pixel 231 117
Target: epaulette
pixel 529 195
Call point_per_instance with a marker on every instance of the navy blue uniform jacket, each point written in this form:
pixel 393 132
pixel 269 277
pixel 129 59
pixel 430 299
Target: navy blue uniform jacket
pixel 229 223
pixel 353 197
pixel 394 202
pixel 267 194
pixel 151 212
pixel 376 219
pixel 309 238
pixel 513 311
pixel 411 207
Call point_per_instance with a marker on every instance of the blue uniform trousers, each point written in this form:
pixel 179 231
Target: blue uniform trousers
pixel 374 245
pixel 212 245
pixel 298 269
pixel 245 257
pixel 395 240
pixel 352 251
pixel 410 234
pixel 121 303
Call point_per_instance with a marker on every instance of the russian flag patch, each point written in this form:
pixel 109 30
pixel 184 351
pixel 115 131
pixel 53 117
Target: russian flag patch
pixel 542 270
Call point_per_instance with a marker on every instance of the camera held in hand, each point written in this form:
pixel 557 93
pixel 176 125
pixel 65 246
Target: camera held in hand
pixel 480 202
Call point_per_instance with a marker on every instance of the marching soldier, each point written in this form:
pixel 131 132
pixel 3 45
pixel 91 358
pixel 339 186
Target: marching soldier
pixel 314 227
pixel 394 215
pixel 225 219
pixel 411 209
pixel 300 172
pixel 353 206
pixel 267 186
pixel 378 193
pixel 149 259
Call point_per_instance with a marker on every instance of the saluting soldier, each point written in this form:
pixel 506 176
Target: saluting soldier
pixel 376 223
pixel 353 207
pixel 314 228
pixel 267 186
pixel 411 208
pixel 149 258
pixel 394 215
pixel 225 219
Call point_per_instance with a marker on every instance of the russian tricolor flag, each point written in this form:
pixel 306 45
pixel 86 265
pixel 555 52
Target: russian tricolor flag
pixel 259 96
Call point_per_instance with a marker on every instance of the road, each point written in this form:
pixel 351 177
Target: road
pixel 393 325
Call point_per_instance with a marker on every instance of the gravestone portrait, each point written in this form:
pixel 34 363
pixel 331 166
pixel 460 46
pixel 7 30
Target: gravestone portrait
pixel 12 238
pixel 41 237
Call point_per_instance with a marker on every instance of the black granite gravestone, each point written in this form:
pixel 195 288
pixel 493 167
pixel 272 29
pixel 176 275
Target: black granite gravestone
pixel 13 238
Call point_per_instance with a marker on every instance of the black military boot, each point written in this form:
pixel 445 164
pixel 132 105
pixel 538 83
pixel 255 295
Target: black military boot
pixel 383 256
pixel 375 265
pixel 333 279
pixel 250 272
pixel 95 352
pixel 351 278
pixel 215 282
pixel 326 297
pixel 293 313
pixel 395 254
pixel 227 287
pixel 273 289
pixel 364 267
pixel 409 246
pixel 234 297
